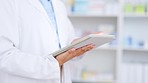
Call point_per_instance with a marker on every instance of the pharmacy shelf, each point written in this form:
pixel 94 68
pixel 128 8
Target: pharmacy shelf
pixel 136 49
pixel 136 16
pixel 91 15
pixel 125 24
pixel 83 81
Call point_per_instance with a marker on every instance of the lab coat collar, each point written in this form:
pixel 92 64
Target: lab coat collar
pixel 40 8
pixel 56 6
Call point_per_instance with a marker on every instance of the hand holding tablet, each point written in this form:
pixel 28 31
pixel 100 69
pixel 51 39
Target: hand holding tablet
pixel 94 39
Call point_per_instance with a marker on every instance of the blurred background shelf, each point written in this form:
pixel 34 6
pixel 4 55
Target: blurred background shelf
pixel 136 16
pixel 128 21
pixel 91 15
pixel 136 49
pixel 82 81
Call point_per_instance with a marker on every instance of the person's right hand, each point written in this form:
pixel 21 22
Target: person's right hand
pixel 66 56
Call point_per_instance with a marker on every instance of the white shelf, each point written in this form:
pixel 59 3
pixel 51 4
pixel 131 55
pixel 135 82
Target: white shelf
pixel 86 81
pixel 91 15
pixel 136 49
pixel 136 16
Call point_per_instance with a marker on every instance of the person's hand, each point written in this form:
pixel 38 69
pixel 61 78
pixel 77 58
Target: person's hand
pixel 66 56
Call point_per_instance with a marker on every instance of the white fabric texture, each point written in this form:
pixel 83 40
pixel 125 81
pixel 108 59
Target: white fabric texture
pixel 27 39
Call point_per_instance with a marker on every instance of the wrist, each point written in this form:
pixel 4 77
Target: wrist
pixel 59 60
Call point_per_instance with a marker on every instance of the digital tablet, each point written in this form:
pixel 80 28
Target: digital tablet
pixel 95 39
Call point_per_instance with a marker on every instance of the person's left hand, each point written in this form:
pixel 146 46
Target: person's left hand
pixel 71 53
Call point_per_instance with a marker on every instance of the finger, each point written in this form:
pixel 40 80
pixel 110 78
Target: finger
pixel 71 51
pixel 88 47
pixel 67 53
pixel 81 51
pixel 84 49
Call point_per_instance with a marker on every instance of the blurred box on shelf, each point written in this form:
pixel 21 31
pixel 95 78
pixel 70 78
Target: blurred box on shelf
pixel 89 76
pixel 69 5
pixel 92 7
pixel 139 44
pixel 127 41
pixel 80 7
pixel 102 29
pixel 112 8
pixel 140 9
pixel 108 29
pixel 96 7
pixel 128 8
pixel 101 7
pixel 137 7
pixel 105 77
pixel 131 42
pixel 80 72
pixel 80 32
pixel 98 77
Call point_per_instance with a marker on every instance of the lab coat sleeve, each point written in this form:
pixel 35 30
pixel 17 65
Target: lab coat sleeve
pixel 12 59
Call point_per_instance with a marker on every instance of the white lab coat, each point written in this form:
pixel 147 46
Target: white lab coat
pixel 27 38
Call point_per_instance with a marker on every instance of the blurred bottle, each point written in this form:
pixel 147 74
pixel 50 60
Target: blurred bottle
pixel 69 5
pixel 128 7
pixel 140 7
pixel 80 7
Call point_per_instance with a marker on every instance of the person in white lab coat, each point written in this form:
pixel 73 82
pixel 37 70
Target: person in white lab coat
pixel 28 37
